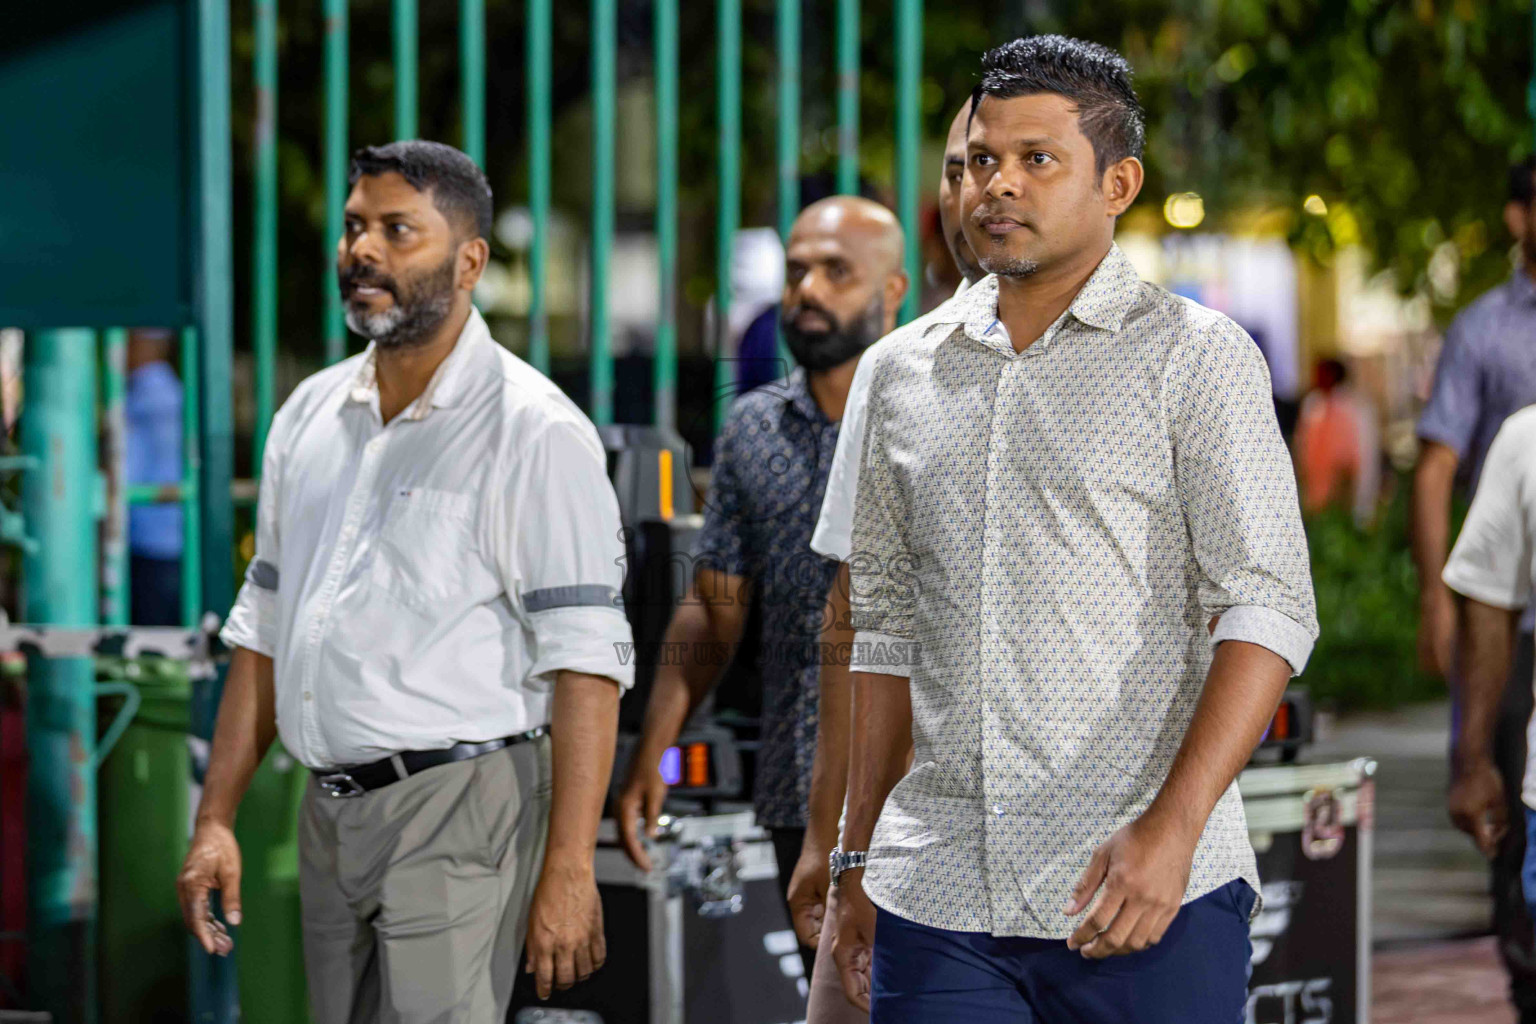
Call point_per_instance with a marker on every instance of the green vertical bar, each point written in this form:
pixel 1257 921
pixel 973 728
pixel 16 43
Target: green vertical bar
pixel 728 191
pixel 335 169
pixel 58 499
pixel 604 49
pixel 264 236
pixel 539 71
pixel 405 68
pixel 192 464
pixel 211 393
pixel 472 69
pixel 788 24
pixel 848 97
pixel 114 544
pixel 909 139
pixel 666 211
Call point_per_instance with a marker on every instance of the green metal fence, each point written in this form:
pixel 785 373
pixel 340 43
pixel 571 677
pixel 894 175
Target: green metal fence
pixel 538 64
pixel 64 575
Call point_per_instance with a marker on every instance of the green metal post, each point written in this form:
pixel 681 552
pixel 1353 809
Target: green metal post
pixel 728 191
pixel 335 169
pixel 909 139
pixel 264 237
pixel 214 348
pixel 59 430
pixel 472 69
pixel 192 463
pixel 405 68
pixel 208 543
pixel 666 210
pixel 848 97
pixel 789 131
pixel 1530 92
pixel 604 52
pixel 114 537
pixel 540 71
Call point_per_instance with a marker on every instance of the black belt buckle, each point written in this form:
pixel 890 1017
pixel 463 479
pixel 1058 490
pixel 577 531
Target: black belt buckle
pixel 341 785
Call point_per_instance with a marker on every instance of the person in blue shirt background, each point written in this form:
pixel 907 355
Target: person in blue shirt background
pixel 154 403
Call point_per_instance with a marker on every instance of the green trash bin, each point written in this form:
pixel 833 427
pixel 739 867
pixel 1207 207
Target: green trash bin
pixel 143 818
pixel 269 943
pixel 145 821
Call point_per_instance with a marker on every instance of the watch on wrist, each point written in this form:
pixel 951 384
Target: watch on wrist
pixel 841 861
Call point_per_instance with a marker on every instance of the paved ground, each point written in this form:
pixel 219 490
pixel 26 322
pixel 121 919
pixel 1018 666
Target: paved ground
pixel 1456 982
pixel 1433 963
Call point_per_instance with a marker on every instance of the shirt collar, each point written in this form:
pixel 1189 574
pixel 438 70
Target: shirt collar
pixel 1522 289
pixel 797 395
pixel 448 382
pixel 1103 302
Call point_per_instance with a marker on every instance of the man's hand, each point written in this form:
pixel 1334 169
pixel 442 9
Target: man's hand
pixel 1143 870
pixel 854 943
pixel 1437 630
pixel 1476 803
pixel 213 862
pixel 808 894
pixel 565 928
pixel 643 794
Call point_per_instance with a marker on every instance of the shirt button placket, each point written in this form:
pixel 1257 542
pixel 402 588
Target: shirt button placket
pixel 357 502
pixel 991 661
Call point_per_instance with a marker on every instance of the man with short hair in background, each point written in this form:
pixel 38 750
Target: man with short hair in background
pixel 1486 371
pixel 432 622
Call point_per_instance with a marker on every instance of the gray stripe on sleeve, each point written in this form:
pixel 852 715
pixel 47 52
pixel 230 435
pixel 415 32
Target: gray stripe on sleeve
pixel 262 574
pixel 580 595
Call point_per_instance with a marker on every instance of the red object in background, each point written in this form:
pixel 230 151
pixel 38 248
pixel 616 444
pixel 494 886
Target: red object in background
pixel 13 845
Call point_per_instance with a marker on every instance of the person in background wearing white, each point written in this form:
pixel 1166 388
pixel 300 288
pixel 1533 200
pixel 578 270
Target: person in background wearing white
pixel 1491 568
pixel 812 902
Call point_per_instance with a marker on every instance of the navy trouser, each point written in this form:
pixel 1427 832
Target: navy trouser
pixel 1198 973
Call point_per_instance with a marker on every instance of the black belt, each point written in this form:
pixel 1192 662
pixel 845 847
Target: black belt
pixel 357 780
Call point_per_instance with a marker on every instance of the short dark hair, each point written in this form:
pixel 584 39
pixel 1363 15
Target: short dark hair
pixel 1094 77
pixel 457 186
pixel 1522 181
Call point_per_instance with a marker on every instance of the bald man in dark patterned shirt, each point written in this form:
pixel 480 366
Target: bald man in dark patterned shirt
pixel 843 287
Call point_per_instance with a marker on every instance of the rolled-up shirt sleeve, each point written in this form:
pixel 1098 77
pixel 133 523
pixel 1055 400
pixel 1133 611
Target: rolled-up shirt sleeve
pixel 555 532
pixel 881 568
pixel 252 621
pixel 1237 487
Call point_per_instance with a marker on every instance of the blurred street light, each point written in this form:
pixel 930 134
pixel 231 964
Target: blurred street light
pixel 1184 210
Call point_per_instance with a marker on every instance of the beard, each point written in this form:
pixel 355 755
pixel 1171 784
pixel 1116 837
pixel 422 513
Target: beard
pixel 822 350
pixel 422 304
pixel 1004 265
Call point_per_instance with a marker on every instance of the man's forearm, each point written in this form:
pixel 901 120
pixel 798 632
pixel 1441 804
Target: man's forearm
pixel 829 770
pixel 246 726
pixel 1487 638
pixel 1433 478
pixel 878 742
pixel 583 732
pixel 1242 690
pixel 682 682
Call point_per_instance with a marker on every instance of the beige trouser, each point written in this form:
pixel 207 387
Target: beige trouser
pixel 827 1004
pixel 415 896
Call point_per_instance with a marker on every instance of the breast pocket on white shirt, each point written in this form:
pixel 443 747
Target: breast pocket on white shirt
pixel 426 546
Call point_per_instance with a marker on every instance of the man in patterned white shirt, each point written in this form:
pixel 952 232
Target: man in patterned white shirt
pixel 1079 579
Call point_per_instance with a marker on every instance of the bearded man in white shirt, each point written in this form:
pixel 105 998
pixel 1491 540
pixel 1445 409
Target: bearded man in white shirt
pixel 432 624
